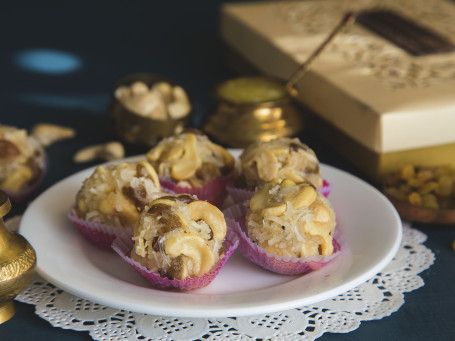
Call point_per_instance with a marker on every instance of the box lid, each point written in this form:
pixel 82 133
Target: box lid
pixel 381 95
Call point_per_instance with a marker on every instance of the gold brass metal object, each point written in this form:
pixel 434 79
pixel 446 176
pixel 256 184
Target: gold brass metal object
pixel 260 108
pixel 237 124
pixel 133 128
pixel 17 262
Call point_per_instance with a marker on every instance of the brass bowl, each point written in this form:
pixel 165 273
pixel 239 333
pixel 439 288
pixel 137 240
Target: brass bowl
pixel 419 214
pixel 239 123
pixel 133 128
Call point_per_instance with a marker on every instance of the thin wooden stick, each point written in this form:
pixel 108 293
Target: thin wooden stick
pixel 347 20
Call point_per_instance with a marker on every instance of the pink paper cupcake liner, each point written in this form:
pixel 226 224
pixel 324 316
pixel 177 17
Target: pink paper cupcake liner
pixel 239 195
pixel 102 235
pixel 279 264
pixel 124 244
pixel 326 188
pixel 23 194
pixel 214 192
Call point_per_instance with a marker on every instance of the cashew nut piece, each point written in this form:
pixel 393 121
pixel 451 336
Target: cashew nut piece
pixel 47 133
pixel 259 200
pixel 193 247
pixel 110 204
pixel 165 89
pixel 155 153
pixel 108 151
pixel 302 198
pixel 227 157
pixel 202 210
pixel 321 213
pixel 190 161
pixel 151 172
pixel 299 199
pixel 274 209
pixel 183 156
pixel 266 165
pixel 16 180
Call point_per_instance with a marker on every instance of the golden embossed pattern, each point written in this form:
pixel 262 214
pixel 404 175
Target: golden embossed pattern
pixel 369 54
pixel 18 265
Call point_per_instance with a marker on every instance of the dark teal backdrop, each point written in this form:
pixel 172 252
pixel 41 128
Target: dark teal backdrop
pixel 92 45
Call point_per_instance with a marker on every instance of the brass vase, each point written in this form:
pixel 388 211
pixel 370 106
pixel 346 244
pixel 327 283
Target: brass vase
pixel 17 262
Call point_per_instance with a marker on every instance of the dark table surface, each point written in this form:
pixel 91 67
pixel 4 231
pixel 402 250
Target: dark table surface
pixel 103 41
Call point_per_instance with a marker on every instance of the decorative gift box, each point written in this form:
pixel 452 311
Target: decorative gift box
pixel 386 85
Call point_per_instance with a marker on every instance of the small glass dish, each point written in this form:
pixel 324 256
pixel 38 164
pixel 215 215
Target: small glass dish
pixel 134 128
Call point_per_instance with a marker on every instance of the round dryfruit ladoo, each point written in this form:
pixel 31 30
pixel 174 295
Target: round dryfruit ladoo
pixel 116 194
pixel 279 159
pixel 292 220
pixel 179 237
pixel 22 162
pixel 190 159
pixel 190 163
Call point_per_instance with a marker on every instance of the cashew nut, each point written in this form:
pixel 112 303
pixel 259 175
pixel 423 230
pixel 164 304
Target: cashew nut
pixel 274 209
pixel 278 159
pixel 260 199
pixel 165 89
pixel 150 171
pixel 180 106
pixel 193 247
pixel 302 198
pixel 266 165
pixel 321 213
pixel 228 159
pixel 108 151
pixel 48 134
pixel 16 180
pixel 202 210
pixel 160 102
pixel 113 204
pixel 190 161
pixel 139 88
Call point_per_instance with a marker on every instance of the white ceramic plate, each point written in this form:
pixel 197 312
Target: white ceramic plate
pixel 368 220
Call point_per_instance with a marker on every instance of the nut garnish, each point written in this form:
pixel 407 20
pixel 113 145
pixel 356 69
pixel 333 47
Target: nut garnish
pixel 179 236
pixel 48 134
pixel 293 220
pixel 160 102
pixel 109 151
pixel 429 187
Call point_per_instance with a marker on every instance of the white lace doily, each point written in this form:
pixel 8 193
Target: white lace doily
pixel 379 297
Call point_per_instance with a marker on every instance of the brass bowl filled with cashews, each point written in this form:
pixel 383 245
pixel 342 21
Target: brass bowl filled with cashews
pixel 146 108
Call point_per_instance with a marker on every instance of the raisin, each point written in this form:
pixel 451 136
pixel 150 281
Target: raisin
pixel 8 149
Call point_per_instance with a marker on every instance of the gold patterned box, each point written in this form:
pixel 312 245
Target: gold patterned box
pixel 387 83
